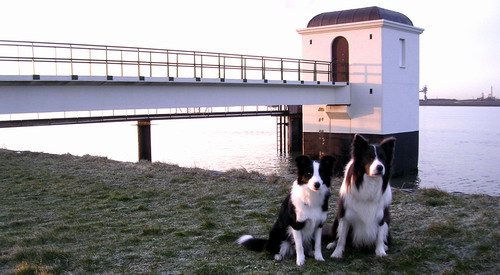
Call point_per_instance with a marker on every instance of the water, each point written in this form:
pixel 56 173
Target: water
pixel 460 149
pixel 459 146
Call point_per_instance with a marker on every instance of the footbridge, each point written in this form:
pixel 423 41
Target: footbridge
pixel 45 83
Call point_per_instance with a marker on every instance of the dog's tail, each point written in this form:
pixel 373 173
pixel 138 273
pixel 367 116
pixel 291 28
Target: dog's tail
pixel 251 243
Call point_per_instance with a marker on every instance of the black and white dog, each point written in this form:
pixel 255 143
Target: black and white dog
pixel 302 214
pixel 365 196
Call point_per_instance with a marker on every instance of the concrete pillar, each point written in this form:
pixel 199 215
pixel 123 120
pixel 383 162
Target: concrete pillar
pixel 295 128
pixel 144 138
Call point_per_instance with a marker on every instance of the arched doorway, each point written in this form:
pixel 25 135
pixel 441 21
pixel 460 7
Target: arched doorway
pixel 340 60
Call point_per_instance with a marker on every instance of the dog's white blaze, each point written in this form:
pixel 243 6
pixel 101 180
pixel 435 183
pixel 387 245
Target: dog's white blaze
pixel 315 177
pixel 376 162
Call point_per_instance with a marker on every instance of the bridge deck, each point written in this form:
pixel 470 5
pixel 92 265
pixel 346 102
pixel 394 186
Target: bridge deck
pixel 35 94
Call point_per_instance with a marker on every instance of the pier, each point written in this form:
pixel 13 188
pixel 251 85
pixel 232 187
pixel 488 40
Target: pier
pixel 59 83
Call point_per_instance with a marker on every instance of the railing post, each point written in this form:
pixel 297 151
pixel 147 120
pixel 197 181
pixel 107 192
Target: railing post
pixel 121 61
pixel 177 65
pixel 263 69
pixel 218 64
pixel 90 62
pixel 281 59
pixel 330 73
pixel 194 64
pixel 242 74
pixel 71 57
pixel 315 72
pixel 298 70
pixel 138 62
pixel 18 61
pixel 107 69
pixel 55 58
pixel 150 65
pixel 168 65
pixel 33 56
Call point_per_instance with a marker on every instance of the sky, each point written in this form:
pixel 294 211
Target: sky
pixel 459 49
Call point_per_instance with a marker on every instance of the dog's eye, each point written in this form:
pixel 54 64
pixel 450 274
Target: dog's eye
pixel 308 175
pixel 381 157
pixel 369 157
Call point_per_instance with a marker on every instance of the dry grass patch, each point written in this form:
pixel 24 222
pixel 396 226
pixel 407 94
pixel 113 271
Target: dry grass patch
pixel 66 214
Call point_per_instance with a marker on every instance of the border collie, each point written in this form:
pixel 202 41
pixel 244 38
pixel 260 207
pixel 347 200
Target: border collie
pixel 365 196
pixel 302 214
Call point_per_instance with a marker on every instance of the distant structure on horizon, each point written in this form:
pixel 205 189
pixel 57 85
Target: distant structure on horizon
pixel 489 97
pixel 483 100
pixel 424 90
pixel 376 52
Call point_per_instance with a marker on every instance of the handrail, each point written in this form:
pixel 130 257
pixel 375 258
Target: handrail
pixel 47 58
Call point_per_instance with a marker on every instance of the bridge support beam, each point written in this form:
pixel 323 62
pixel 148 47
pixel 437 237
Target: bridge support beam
pixel 144 136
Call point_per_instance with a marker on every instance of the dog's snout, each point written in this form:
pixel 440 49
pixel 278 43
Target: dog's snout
pixel 317 185
pixel 380 168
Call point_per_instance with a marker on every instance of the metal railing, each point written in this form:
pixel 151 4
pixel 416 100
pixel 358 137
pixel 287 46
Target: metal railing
pixel 64 59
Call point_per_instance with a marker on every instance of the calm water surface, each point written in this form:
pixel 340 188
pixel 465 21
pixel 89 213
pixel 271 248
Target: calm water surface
pixel 459 146
pixel 460 149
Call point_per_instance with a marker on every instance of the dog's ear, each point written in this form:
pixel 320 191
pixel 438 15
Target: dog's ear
pixel 388 145
pixel 326 169
pixel 356 171
pixel 327 161
pixel 302 162
pixel 359 144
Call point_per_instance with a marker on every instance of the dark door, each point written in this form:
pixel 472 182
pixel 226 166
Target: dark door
pixel 340 59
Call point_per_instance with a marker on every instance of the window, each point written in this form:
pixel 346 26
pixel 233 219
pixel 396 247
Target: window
pixel 402 53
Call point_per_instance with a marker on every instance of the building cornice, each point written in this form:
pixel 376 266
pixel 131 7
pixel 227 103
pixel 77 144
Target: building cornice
pixel 362 25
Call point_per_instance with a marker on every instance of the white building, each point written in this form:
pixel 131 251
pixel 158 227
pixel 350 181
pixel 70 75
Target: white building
pixel 376 52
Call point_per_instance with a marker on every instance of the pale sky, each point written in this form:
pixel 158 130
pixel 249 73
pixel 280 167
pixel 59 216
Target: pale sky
pixel 459 49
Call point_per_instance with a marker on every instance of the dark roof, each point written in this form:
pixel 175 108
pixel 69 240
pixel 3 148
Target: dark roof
pixel 358 15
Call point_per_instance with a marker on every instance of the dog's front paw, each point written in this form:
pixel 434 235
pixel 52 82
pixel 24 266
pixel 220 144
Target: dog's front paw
pixel 380 252
pixel 319 257
pixel 337 253
pixel 278 257
pixel 331 245
pixel 301 260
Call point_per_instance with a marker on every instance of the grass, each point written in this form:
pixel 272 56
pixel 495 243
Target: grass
pixel 88 215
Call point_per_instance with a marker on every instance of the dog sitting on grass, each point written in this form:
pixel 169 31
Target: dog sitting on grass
pixel 299 225
pixel 363 215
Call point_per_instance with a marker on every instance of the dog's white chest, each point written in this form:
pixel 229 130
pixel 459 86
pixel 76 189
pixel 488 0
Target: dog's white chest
pixel 309 211
pixel 364 209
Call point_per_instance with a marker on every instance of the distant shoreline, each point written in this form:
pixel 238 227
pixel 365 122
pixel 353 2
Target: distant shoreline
pixel 454 102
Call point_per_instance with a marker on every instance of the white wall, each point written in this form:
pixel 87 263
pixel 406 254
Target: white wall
pixel 400 83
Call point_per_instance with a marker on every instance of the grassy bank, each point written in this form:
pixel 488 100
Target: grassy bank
pixel 67 214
